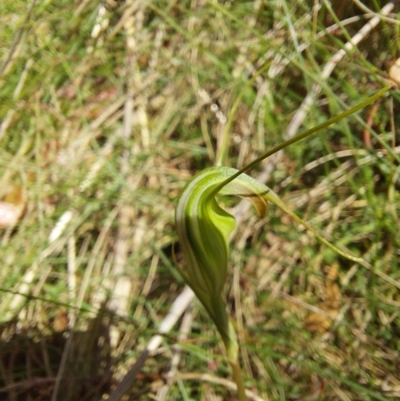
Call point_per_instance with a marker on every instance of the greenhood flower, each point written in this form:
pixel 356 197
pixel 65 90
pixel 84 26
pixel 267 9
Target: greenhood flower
pixel 203 229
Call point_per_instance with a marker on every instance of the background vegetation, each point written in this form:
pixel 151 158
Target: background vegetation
pixel 107 108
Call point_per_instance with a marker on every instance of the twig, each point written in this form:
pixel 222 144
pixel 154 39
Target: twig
pixel 216 380
pixel 364 8
pixel 370 121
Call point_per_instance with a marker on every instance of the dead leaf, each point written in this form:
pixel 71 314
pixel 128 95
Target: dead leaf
pixel 60 322
pixel 394 72
pixel 12 207
pixel 332 272
pixel 9 214
pixel 319 322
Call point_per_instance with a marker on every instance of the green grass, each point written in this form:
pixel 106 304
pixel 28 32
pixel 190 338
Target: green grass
pixel 70 142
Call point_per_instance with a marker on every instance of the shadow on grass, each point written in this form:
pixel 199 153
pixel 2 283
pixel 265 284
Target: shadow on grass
pixel 30 363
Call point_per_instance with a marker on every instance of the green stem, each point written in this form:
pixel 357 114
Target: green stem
pixel 238 377
pixel 232 352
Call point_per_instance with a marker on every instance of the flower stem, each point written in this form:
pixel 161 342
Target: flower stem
pixel 237 376
pixel 232 352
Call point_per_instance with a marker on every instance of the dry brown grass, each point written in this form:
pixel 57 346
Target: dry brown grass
pixel 107 108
